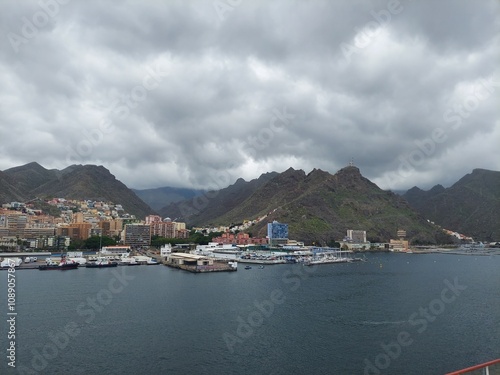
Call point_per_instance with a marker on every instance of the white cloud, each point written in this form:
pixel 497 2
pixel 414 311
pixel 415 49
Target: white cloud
pixel 217 83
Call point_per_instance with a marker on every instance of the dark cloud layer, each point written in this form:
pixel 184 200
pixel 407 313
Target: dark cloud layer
pixel 199 93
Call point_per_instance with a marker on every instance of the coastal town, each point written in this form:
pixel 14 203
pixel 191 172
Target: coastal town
pixel 57 228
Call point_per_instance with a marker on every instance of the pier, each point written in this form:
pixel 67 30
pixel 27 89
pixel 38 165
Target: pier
pixel 199 263
pixel 215 267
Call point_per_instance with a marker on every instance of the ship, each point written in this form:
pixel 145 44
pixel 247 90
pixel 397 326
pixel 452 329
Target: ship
pixel 101 262
pixel 61 266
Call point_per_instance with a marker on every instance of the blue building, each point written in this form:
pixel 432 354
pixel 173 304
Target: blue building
pixel 277 231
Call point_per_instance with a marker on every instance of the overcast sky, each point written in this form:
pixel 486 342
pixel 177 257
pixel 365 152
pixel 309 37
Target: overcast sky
pixel 199 93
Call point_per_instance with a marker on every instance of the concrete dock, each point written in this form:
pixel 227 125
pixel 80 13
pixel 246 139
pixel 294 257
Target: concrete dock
pixel 215 267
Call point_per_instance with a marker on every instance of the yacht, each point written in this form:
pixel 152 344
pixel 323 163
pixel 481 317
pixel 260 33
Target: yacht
pixel 101 262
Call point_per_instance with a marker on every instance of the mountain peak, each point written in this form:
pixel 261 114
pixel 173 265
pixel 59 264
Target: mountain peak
pixel 437 189
pixel 349 173
pixel 30 176
pixel 240 181
pixel 291 170
pixel 33 166
pixel 481 170
pixel 317 171
pixel 292 173
pixel 414 189
pixel 350 169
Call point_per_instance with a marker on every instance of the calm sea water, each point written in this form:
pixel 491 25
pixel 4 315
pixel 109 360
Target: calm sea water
pixel 394 314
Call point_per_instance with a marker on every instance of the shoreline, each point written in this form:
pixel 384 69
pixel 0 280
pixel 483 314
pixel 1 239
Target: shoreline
pixel 484 252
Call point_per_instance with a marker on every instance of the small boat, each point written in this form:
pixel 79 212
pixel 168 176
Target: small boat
pixel 133 262
pixel 261 267
pixel 152 262
pixel 248 267
pixel 327 260
pixel 61 266
pixel 101 262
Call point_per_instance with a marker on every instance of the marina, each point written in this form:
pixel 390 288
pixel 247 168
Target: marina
pixel 214 257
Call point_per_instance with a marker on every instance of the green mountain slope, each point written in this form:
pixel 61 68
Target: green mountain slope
pixel 74 182
pixel 320 207
pixel 94 182
pixel 10 190
pixel 471 206
pixel 31 176
pixel 203 208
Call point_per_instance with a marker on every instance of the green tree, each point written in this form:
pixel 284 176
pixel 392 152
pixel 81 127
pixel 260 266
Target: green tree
pixel 76 244
pixel 94 242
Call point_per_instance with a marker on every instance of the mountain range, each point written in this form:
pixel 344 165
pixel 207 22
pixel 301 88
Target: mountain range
pixel 202 209
pixel 470 206
pixel 29 181
pixel 319 207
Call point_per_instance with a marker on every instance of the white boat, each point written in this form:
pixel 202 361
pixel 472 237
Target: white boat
pixel 136 259
pixel 142 259
pixel 126 260
pixel 80 260
pixel 133 262
pixel 327 260
pixel 101 262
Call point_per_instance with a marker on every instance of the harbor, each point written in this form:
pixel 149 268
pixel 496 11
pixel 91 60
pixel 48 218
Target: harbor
pixel 213 257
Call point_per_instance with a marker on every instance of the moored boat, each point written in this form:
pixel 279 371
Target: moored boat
pixel 327 260
pixel 101 263
pixel 133 262
pixel 63 265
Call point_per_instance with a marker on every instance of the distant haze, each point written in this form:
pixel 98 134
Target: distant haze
pixel 196 94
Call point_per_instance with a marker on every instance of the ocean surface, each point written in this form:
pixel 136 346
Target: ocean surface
pixel 394 314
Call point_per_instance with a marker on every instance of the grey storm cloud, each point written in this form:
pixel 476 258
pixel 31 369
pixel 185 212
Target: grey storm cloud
pixel 176 93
